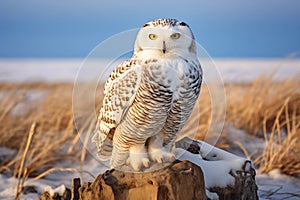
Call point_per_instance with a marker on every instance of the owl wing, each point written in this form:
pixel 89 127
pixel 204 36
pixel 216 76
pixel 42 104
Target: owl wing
pixel 119 93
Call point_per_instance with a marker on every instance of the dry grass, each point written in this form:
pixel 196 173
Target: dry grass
pixel 271 110
pixel 255 106
pixel 262 108
pixel 51 114
pixel 29 140
pixel 45 112
pixel 283 150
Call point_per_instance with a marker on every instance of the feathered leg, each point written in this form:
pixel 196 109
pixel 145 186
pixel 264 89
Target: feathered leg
pixel 125 152
pixel 138 156
pixel 118 158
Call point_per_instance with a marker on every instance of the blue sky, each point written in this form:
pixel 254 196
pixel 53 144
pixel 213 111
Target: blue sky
pixel 72 28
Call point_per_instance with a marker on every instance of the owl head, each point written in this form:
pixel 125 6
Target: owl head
pixel 164 38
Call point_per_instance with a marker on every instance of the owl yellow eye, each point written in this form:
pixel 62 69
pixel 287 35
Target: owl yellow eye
pixel 153 36
pixel 175 36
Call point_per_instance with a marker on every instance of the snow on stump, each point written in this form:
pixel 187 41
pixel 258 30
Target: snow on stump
pixel 226 175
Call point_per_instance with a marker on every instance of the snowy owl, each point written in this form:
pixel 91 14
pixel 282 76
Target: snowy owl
pixel 148 98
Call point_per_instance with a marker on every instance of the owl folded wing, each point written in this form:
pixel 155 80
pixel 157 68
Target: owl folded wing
pixel 119 93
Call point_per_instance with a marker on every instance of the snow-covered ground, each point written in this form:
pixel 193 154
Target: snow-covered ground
pixel 237 70
pixel 273 185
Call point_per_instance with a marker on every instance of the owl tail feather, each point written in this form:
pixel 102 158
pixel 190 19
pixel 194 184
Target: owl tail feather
pixel 104 152
pixel 104 145
pixel 119 158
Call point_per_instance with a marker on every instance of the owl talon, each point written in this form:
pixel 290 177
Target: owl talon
pixel 161 156
pixel 128 161
pixel 138 157
pixel 137 163
pixel 146 162
pixel 159 159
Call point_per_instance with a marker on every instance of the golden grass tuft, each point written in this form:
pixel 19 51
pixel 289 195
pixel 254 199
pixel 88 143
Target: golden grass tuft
pixel 283 149
pixel 269 109
pixel 45 112
pixel 255 106
pixel 52 114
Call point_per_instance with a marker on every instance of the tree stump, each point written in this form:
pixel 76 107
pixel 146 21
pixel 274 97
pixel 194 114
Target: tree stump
pixel 181 180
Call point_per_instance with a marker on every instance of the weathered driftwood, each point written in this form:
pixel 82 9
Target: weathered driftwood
pixel 180 180
pixel 75 188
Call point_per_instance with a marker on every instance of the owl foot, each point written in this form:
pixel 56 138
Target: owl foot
pixel 138 157
pixel 160 155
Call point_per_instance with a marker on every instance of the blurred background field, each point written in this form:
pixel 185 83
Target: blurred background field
pixel 38 134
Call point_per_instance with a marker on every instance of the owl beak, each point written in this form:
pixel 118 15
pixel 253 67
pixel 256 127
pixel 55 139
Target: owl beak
pixel 164 47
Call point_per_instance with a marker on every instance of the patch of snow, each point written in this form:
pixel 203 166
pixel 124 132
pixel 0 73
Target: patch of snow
pixel 93 166
pixel 248 167
pixel 231 70
pixel 211 195
pixel 59 190
pixel 245 70
pixel 7 154
pixel 253 145
pixel 8 187
pixel 54 182
pixel 36 96
pixel 211 153
pixel 273 185
pixel 27 70
pixel 277 186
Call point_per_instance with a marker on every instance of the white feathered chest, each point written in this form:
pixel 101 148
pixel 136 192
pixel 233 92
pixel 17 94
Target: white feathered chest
pixel 167 87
